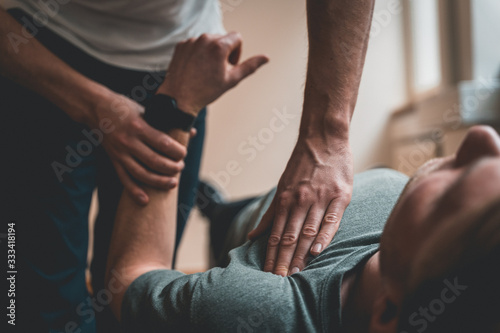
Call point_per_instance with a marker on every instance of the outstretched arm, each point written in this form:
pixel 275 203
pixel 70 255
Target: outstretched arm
pixel 144 236
pixel 316 186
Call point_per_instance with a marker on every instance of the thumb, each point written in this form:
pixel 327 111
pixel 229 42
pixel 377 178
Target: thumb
pixel 248 67
pixel 264 224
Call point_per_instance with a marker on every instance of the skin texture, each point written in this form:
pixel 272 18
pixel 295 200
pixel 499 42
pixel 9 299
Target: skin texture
pixel 435 199
pixel 309 203
pixel 144 236
pixel 131 146
pixel 141 155
pixel 433 218
pixel 316 186
pixel 443 190
pixel 440 194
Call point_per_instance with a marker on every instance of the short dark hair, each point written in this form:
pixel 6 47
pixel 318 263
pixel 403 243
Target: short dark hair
pixel 464 300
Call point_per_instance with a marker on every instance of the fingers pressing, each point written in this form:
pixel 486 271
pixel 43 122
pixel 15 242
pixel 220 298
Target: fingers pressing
pixel 329 226
pixel 274 240
pixel 307 236
pixel 289 241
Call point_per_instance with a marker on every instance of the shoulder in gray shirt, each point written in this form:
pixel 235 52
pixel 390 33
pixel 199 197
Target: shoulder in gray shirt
pixel 243 298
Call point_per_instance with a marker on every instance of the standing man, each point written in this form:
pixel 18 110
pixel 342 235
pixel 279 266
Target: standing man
pixel 74 78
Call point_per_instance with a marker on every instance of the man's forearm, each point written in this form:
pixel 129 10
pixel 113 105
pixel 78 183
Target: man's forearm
pixel 143 236
pixel 338 39
pixel 27 62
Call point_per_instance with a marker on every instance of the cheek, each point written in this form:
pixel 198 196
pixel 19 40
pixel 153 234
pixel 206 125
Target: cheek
pixel 406 224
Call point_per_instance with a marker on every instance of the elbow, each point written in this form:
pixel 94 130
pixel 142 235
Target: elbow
pixel 119 277
pixel 116 284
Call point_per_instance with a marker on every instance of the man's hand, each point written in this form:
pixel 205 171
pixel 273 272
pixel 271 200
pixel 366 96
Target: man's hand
pixel 316 186
pixel 140 154
pixel 203 69
pixel 311 198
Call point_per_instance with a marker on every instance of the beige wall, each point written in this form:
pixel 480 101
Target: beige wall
pixel 278 28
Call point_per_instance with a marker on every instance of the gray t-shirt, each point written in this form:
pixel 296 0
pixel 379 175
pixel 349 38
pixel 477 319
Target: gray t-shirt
pixel 243 298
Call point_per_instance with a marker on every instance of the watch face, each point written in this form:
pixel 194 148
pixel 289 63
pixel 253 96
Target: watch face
pixel 162 113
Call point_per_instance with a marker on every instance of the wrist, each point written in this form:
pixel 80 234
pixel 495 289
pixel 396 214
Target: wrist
pixel 91 98
pixel 325 116
pixel 184 103
pixel 326 126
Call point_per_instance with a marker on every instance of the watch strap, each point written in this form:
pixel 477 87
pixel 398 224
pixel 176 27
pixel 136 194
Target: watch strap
pixel 163 114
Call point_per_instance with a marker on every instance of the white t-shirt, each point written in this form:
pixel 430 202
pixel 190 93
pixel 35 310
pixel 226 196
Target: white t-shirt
pixel 134 34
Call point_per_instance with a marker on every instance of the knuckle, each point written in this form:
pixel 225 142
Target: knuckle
pixel 137 125
pixel 274 240
pixel 289 239
pixel 302 196
pixel 281 269
pixel 183 152
pixel 217 47
pixel 204 38
pixel 158 162
pixel 166 142
pixel 282 200
pixel 331 218
pixel 179 167
pixel 237 36
pixel 298 258
pixel 310 231
pixel 269 263
pixel 323 238
pixel 123 140
pixel 164 182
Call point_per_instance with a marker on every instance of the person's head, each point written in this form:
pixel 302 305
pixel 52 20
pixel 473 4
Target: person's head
pixel 446 220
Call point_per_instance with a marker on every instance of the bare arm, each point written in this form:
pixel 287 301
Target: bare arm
pixel 316 185
pixel 45 73
pixel 144 237
pixel 26 61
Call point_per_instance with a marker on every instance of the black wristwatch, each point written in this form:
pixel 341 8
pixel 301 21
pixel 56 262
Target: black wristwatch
pixel 163 114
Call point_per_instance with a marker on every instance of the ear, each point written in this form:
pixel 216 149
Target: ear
pixel 384 315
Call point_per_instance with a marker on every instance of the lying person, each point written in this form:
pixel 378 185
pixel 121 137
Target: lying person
pixel 440 234
pixel 406 258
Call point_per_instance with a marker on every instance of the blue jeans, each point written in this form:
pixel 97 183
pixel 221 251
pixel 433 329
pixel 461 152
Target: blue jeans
pixel 53 166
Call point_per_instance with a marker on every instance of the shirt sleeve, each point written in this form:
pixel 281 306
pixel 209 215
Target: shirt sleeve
pixel 219 300
pixel 158 301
